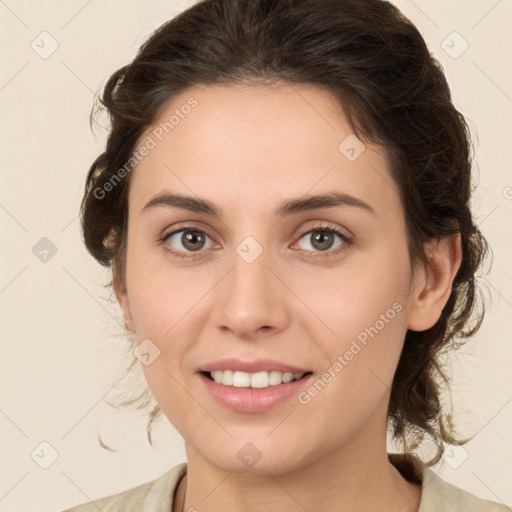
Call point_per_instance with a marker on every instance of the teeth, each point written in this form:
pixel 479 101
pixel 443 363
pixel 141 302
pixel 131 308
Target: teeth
pixel 253 380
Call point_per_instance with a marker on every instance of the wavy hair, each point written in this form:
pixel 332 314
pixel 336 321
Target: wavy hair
pixel 394 93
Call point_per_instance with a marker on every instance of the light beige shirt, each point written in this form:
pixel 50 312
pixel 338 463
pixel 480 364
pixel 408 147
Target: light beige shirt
pixel 159 495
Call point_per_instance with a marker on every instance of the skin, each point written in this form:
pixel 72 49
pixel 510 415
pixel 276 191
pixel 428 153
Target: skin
pixel 248 149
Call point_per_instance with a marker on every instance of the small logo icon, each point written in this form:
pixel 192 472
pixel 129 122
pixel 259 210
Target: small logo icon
pixel 44 250
pixel 146 352
pixel 249 249
pixel 455 455
pixel 44 455
pixel 454 45
pixel 351 147
pixel 44 45
pixel 249 455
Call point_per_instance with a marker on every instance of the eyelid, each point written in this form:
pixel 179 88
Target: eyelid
pixel 328 226
pixel 185 226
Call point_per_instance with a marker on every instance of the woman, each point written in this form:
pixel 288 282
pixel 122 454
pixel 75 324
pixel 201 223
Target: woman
pixel 284 203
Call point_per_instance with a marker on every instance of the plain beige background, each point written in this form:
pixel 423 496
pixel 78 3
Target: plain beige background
pixel 62 353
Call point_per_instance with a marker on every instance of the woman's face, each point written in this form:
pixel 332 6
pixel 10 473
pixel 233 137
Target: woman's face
pixel 266 278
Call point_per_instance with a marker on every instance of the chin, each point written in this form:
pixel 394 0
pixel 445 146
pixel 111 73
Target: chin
pixel 252 455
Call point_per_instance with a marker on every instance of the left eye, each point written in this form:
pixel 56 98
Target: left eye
pixel 322 239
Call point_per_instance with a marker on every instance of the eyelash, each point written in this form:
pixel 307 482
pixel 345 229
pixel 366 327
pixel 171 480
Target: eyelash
pixel 327 228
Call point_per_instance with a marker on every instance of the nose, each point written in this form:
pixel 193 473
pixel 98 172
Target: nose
pixel 251 300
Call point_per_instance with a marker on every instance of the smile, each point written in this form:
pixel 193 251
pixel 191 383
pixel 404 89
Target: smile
pixel 260 380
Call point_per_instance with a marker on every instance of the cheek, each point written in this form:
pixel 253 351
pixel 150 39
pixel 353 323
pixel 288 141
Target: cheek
pixel 348 299
pixel 360 326
pixel 358 361
pixel 161 299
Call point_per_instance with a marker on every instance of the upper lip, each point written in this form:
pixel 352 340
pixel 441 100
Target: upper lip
pixel 258 365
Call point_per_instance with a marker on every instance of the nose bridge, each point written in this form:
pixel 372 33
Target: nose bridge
pixel 250 298
pixel 249 289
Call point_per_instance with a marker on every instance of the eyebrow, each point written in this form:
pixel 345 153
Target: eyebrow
pixel 289 207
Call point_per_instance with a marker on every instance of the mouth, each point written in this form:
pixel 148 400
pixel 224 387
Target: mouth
pixel 257 380
pixel 258 392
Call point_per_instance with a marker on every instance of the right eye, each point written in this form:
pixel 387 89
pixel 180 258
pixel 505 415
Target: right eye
pixel 186 240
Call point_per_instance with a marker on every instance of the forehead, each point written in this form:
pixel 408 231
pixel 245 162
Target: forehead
pixel 256 145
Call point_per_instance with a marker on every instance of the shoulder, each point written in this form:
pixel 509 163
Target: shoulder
pixel 154 496
pixel 439 495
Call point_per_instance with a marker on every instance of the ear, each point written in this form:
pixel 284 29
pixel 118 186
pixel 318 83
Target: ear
pixel 433 282
pixel 122 297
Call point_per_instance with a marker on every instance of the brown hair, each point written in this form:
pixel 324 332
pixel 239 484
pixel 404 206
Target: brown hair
pixel 394 93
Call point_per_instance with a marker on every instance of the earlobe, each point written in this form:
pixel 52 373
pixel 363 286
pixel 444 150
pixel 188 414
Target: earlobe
pixel 434 282
pixel 122 298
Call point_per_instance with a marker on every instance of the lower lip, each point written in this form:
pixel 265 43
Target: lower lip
pixel 253 400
